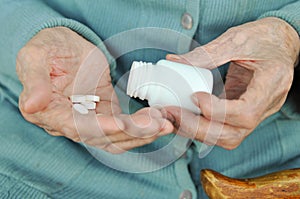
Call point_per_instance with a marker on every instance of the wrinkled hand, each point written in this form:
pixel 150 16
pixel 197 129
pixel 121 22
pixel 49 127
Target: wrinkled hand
pixel 262 55
pixel 58 63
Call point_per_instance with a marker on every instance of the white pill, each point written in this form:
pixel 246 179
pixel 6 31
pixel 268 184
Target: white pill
pixel 93 98
pixel 89 105
pixel 81 109
pixel 78 98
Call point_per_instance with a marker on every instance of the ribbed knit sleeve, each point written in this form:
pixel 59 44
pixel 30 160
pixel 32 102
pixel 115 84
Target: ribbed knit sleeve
pixel 20 20
pixel 290 13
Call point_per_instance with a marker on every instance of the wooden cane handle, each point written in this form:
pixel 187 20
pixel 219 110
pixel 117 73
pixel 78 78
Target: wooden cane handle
pixel 283 184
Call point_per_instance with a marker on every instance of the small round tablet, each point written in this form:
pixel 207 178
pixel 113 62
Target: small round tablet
pixel 89 104
pixel 77 98
pixel 81 109
pixel 93 98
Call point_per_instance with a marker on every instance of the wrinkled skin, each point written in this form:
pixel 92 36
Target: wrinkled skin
pixel 262 55
pixel 57 63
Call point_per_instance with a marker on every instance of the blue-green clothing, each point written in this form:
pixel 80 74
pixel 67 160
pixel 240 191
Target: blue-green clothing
pixel 34 164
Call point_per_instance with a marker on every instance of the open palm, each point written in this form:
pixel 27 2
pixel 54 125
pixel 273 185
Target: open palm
pixel 58 63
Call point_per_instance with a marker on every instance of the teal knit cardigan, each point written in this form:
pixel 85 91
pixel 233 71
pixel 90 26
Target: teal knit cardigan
pixel 98 20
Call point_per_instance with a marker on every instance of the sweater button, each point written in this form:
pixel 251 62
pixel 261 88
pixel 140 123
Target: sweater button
pixel 187 21
pixel 186 194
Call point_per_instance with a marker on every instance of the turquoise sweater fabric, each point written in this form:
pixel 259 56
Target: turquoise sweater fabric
pixel 99 21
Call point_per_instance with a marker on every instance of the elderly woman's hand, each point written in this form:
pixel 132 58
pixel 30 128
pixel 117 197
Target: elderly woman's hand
pixel 58 63
pixel 262 55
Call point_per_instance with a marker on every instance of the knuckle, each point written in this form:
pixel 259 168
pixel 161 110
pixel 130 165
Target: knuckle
pixel 233 144
pixel 237 38
pixel 30 53
pixel 206 111
pixel 192 128
pixel 149 140
pixel 198 50
pixel 248 120
pixel 53 133
pixel 231 30
pixel 32 118
pixel 26 50
pixel 234 32
pixel 113 149
pixel 22 52
pixel 234 139
pixel 71 134
pixel 76 139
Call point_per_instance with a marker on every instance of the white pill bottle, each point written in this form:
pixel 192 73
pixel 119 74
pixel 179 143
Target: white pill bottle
pixel 168 83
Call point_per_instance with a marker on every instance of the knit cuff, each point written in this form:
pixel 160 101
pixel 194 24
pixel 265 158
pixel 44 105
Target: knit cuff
pixel 289 13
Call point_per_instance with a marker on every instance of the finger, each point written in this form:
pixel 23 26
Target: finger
pixel 151 112
pixel 212 107
pixel 108 125
pixel 178 116
pixel 206 131
pixel 73 124
pixel 35 77
pixel 105 107
pixel 121 134
pixel 121 147
pixel 60 117
pixel 256 103
pixel 146 123
pixel 53 133
pixel 135 127
pixel 108 139
pixel 102 129
pixel 232 112
pixel 210 56
pixel 237 81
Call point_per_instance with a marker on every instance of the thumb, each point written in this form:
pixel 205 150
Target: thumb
pixel 210 56
pixel 212 107
pixel 37 89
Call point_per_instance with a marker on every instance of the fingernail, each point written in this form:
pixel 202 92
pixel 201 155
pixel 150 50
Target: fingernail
pixel 173 57
pixel 195 99
pixel 170 117
pixel 167 115
pixel 166 128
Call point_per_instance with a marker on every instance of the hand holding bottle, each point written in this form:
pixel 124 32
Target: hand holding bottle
pixel 262 55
